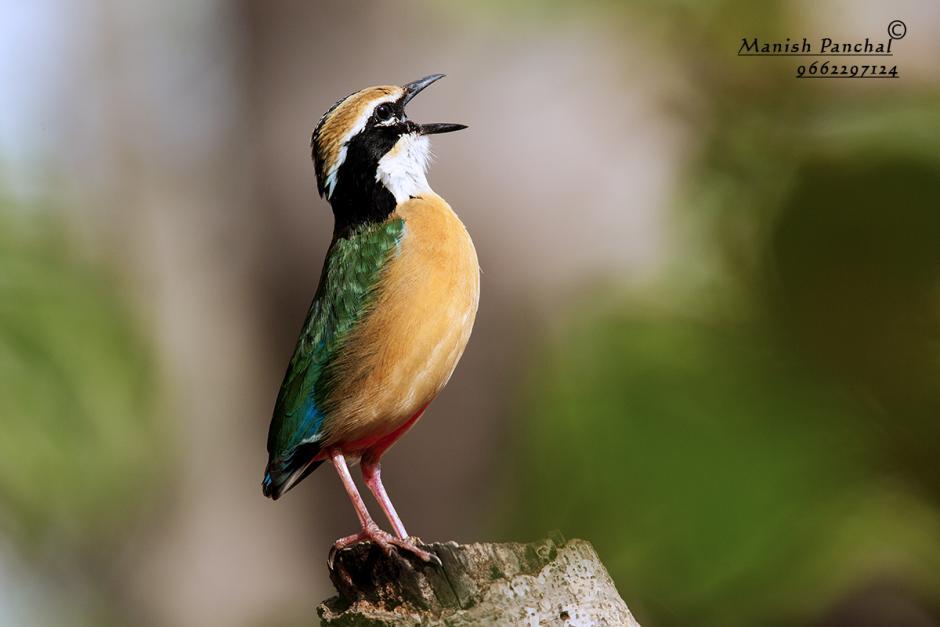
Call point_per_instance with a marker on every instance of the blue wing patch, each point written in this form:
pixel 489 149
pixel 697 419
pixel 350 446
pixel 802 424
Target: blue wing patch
pixel 350 279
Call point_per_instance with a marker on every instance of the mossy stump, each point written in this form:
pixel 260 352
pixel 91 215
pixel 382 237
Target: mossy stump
pixel 549 582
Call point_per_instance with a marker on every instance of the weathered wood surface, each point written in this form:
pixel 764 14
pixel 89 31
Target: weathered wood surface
pixel 550 582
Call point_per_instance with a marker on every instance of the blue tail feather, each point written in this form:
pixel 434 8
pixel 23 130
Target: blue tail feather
pixel 282 474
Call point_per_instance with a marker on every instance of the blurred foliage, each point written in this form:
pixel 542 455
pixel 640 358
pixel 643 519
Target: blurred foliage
pixel 854 278
pixel 721 480
pixel 76 395
pixel 757 460
pixel 761 449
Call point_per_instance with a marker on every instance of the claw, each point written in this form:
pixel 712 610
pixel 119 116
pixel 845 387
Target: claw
pixel 434 559
pixel 385 541
pixel 331 557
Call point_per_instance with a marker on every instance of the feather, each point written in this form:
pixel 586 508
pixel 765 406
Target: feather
pixel 348 286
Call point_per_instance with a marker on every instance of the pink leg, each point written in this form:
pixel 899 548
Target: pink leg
pixel 372 473
pixel 370 531
pixel 339 462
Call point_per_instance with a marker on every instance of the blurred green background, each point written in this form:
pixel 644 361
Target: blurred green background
pixel 709 335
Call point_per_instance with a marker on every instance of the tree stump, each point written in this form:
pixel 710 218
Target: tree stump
pixel 550 582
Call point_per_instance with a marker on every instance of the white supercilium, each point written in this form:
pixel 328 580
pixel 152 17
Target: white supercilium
pixel 403 169
pixel 354 130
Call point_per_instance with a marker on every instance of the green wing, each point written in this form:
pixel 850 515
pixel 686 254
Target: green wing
pixel 348 285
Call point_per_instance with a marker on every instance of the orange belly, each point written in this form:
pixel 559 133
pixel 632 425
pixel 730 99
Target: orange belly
pixel 408 345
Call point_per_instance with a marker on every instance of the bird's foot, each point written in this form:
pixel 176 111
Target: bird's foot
pixel 385 541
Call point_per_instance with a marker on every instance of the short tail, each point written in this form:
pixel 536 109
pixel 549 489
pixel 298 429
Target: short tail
pixel 282 474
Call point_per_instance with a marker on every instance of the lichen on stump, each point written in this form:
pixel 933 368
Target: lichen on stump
pixel 549 582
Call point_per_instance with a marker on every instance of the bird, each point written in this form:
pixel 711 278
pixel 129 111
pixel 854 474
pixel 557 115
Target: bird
pixel 392 314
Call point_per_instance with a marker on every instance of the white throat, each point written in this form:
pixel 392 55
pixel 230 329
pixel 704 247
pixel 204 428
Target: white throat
pixel 403 169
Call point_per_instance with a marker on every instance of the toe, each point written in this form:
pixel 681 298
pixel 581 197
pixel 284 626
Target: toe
pixel 410 546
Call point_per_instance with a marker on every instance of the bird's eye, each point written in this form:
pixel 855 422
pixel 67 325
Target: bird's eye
pixel 383 112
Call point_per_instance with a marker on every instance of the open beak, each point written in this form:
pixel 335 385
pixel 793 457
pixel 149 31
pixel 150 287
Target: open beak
pixel 440 127
pixel 414 88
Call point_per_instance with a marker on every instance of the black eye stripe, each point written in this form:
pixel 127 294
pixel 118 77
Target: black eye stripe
pixel 384 112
